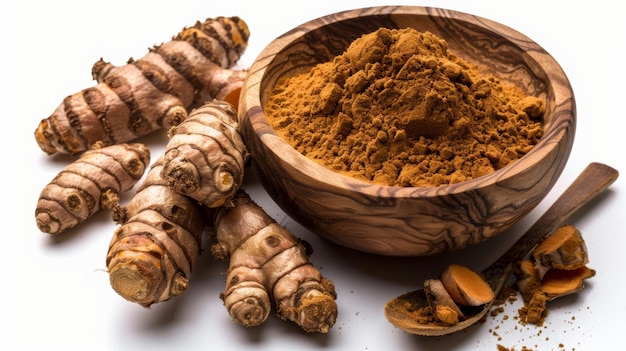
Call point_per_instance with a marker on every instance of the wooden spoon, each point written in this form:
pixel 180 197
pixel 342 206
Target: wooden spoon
pixel 594 179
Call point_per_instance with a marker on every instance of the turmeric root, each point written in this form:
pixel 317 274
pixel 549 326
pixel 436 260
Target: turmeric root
pixel 89 184
pixel 153 92
pixel 268 264
pixel 152 253
pixel 205 156
pixel 442 305
pixel 465 286
pixel 563 249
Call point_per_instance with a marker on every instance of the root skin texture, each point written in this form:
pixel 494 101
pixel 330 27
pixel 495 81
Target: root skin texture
pixel 205 156
pixel 268 264
pixel 151 93
pixel 89 184
pixel 152 253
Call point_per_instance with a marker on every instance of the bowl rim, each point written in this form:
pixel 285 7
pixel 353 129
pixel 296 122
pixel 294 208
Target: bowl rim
pixel 289 155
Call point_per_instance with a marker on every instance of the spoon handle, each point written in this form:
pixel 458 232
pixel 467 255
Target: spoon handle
pixel 593 180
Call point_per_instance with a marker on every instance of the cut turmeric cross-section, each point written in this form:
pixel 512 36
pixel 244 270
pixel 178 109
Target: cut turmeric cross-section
pixel 564 249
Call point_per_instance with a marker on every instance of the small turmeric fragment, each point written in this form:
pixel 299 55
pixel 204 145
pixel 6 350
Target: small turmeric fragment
pixel 205 156
pixel 465 286
pixel 89 184
pixel 563 249
pixel 269 266
pixel 151 93
pixel 440 302
pixel 527 279
pixel 152 253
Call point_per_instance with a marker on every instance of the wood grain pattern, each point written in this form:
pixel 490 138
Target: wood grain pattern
pixel 408 221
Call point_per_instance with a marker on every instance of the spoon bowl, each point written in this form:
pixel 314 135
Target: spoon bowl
pixel 595 178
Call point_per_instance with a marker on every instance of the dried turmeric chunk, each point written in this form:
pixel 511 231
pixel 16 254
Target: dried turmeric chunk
pixel 465 286
pixel 561 282
pixel 558 268
pixel 443 306
pixel 527 279
pixel 89 184
pixel 563 249
pixel 151 93
pixel 205 156
pixel 152 253
pixel 269 267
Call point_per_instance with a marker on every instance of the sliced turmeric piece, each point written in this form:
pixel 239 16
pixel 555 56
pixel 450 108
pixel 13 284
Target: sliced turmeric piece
pixel 465 286
pixel 558 268
pixel 563 249
pixel 561 282
pixel 442 305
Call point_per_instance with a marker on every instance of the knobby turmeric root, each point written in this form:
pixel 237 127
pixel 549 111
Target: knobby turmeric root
pixel 89 184
pixel 557 268
pixel 151 93
pixel 205 156
pixel 269 265
pixel 152 253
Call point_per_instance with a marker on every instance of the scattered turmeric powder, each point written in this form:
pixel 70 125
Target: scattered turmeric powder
pixel 205 156
pixel 398 108
pixel 269 266
pixel 153 92
pixel 152 253
pixel 89 184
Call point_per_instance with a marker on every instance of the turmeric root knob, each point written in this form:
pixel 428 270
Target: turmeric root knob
pixel 89 184
pixel 316 311
pixel 152 253
pixel 205 156
pixel 269 265
pixel 151 93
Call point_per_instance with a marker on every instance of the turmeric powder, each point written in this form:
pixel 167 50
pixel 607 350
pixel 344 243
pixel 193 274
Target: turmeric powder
pixel 151 93
pixel 398 108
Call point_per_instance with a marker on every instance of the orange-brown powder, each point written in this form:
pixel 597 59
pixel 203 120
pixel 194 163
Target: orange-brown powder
pixel 398 108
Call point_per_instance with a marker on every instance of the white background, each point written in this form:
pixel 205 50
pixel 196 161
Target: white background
pixel 55 290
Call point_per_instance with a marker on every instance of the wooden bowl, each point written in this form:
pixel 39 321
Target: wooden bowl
pixel 408 221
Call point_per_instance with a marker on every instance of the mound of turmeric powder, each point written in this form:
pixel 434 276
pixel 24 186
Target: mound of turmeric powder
pixel 398 108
